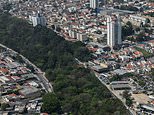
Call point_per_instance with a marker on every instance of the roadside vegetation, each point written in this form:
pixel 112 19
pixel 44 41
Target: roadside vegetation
pixel 76 90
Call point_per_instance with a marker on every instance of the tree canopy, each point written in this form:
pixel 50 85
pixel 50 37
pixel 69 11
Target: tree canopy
pixel 51 103
pixel 127 29
pixel 76 90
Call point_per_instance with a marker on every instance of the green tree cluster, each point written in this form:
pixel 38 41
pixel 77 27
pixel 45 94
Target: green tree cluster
pixel 51 103
pixel 76 90
pixel 128 7
pixel 4 106
pixel 127 96
pixel 127 29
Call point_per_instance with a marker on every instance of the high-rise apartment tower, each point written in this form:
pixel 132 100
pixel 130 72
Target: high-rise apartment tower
pixel 114 31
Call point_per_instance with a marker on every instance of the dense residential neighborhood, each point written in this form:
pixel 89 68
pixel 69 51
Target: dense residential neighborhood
pixel 118 40
pixel 21 87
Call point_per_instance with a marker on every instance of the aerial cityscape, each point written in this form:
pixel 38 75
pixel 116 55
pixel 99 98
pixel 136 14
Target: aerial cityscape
pixel 76 57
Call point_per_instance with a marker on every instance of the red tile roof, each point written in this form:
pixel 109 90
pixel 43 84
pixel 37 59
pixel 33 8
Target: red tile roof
pixel 4 70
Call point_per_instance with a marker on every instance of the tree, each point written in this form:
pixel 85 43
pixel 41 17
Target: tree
pixel 141 37
pixel 19 59
pixel 4 106
pixel 126 94
pixel 127 29
pixel 51 104
pixel 152 71
pixel 129 102
pixel 147 20
pixel 142 83
pixel 50 75
pixel 129 7
pixel 137 29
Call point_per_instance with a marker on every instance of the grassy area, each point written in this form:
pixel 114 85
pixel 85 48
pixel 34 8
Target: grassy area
pixel 145 53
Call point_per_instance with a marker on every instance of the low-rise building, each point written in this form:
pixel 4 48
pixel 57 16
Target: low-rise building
pixel 30 92
pixel 120 85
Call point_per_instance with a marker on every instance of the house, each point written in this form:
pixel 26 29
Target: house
pixel 30 92
pixel 20 108
pixel 147 109
pixel 4 70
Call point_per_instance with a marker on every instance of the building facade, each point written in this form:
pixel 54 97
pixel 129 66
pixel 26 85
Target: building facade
pixel 94 4
pixel 113 31
pixel 81 36
pixel 38 19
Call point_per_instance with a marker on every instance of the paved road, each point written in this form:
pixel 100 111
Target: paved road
pixel 48 87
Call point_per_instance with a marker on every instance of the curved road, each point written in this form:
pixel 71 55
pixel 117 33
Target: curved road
pixel 41 75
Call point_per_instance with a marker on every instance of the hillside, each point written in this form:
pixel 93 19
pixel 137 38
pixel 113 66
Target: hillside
pixel 77 91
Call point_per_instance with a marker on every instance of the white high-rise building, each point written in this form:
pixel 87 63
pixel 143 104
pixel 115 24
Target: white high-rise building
pixel 94 4
pixel 38 19
pixel 114 31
